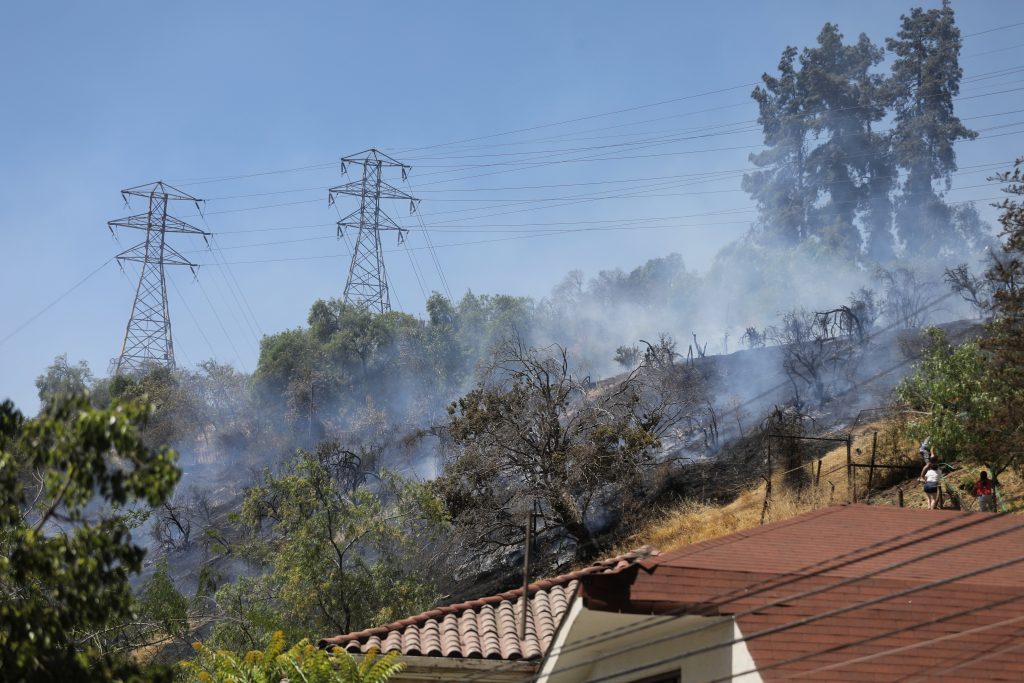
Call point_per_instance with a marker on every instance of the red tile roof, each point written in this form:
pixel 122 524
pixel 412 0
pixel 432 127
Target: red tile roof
pixel 487 627
pixel 818 597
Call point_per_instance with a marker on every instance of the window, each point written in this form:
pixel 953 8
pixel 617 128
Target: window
pixel 669 677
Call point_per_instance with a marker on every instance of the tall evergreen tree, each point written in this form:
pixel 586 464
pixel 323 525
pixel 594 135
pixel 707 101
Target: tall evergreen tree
pixel 780 188
pixel 841 97
pixel 824 166
pixel 925 79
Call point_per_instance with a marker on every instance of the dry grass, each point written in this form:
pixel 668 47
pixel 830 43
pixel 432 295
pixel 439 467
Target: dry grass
pixel 694 521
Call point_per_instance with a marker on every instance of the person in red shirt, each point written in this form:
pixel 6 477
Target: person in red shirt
pixel 983 490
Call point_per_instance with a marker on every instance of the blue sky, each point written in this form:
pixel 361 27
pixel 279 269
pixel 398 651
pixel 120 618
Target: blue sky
pixel 102 96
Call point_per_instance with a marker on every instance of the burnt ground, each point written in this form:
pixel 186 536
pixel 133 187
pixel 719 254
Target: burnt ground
pixel 743 387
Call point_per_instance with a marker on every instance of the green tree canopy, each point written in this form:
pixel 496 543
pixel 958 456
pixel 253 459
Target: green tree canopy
pixel 302 662
pixel 925 80
pixel 63 379
pixel 972 396
pixel 67 478
pixel 338 538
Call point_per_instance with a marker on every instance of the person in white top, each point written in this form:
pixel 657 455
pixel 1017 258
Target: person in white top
pixel 932 478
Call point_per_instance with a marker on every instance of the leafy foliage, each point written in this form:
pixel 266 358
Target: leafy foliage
pixel 826 176
pixel 63 379
pixel 950 386
pixel 534 430
pixel 972 396
pixel 63 568
pixel 925 78
pixel 302 662
pixel 338 547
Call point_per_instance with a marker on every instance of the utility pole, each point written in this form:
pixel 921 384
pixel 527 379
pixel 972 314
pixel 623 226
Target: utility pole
pixel 367 281
pixel 531 532
pixel 147 338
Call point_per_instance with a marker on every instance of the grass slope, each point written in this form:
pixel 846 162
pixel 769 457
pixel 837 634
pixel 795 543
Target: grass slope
pixel 694 521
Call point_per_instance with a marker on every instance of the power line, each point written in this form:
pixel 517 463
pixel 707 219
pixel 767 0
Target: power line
pixel 580 118
pixel 225 271
pixel 416 274
pixel 217 179
pixel 433 256
pixel 195 321
pixel 650 622
pixel 439 227
pixel 992 30
pixel 31 319
pixel 551 233
pixel 990 52
pixel 623 224
pixel 604 157
pixel 223 329
pixel 204 181
pixel 592 158
pixel 585 195
pixel 931 642
pixel 321 188
pixel 805 620
pixel 237 306
pixel 241 291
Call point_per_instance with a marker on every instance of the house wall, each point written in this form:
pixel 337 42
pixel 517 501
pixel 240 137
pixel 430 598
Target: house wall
pixel 644 646
pixel 449 669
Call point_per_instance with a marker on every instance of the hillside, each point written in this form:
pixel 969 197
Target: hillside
pixel 694 521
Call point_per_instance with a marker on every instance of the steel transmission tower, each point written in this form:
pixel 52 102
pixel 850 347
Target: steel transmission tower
pixel 147 339
pixel 367 282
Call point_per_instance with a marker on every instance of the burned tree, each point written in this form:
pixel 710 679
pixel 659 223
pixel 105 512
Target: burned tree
pixel 820 350
pixel 839 323
pixel 905 300
pixel 865 306
pixel 533 430
pixel 977 291
pixel 804 353
pixel 781 431
pixel 662 354
pixel 754 338
pixel 627 356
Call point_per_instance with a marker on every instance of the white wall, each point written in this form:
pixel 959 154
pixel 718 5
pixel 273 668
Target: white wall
pixel 643 646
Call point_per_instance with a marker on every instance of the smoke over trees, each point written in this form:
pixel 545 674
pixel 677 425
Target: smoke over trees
pixel 534 430
pixel 971 397
pixel 925 78
pixel 829 176
pixel 325 536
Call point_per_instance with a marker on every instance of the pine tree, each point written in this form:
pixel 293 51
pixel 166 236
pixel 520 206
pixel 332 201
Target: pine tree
pixel 780 189
pixel 925 79
pixel 842 98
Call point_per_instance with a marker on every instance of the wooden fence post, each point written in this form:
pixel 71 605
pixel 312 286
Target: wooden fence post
pixel 871 470
pixel 851 487
pixel 768 485
pixel 524 601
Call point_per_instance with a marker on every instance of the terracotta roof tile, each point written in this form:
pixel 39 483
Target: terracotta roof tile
pixel 488 627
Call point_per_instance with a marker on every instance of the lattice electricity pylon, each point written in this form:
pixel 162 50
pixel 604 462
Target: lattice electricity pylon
pixel 367 282
pixel 147 338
